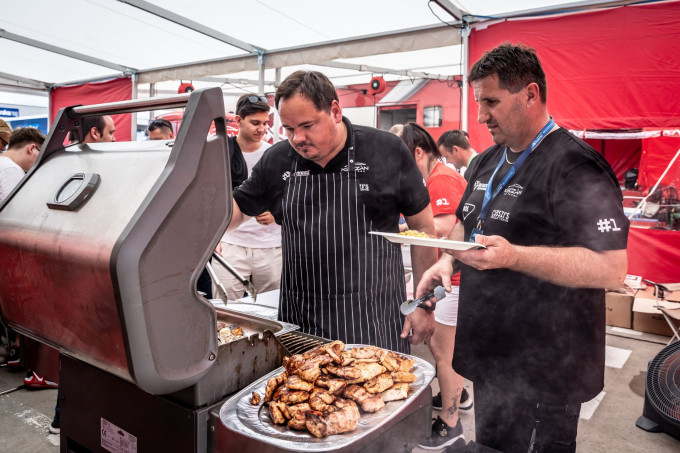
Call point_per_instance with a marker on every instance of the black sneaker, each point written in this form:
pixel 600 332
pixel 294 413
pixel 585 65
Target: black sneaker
pixel 465 401
pixel 442 435
pixel 54 427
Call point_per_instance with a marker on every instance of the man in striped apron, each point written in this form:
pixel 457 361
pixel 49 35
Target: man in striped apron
pixel 328 186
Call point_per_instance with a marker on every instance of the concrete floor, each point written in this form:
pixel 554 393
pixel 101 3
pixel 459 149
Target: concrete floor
pixel 26 414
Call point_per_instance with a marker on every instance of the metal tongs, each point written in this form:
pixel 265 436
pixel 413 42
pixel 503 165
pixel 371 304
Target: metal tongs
pixel 250 289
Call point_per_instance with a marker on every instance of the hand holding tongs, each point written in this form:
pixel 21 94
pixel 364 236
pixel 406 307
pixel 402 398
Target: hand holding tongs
pixel 250 289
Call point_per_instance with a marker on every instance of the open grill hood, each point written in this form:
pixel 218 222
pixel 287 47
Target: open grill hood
pixel 110 281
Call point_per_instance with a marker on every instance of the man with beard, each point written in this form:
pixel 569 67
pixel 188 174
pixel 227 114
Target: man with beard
pixel 328 186
pixel 548 210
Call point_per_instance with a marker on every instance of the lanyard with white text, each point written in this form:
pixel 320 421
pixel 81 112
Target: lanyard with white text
pixel 490 194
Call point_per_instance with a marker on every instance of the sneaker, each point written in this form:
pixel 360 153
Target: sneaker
pixel 54 427
pixel 442 435
pixel 465 401
pixel 35 381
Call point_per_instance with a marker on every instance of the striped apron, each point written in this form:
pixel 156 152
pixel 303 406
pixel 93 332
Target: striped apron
pixel 338 282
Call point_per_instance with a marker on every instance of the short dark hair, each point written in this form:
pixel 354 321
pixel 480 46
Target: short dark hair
pixel 93 121
pixel 158 123
pixel 454 137
pixel 24 136
pixel 415 135
pixel 311 84
pixel 249 104
pixel 516 67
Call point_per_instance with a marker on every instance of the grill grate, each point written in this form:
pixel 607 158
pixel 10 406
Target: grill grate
pixel 663 381
pixel 298 342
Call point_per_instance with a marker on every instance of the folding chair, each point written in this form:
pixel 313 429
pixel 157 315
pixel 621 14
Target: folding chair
pixel 669 314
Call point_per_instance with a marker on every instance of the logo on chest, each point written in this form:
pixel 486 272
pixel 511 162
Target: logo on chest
pixel 468 208
pixel 479 186
pixel 514 190
pixel 302 173
pixel 359 167
pixel 503 216
pixel 364 187
pixel 285 176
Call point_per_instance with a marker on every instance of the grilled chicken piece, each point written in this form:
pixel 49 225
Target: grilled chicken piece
pixel 347 358
pixel 298 416
pixel 288 396
pixel 334 349
pixel 390 361
pixel 273 384
pixel 369 352
pixel 295 383
pixel 320 399
pixel 368 371
pixel 396 392
pixel 276 410
pixel 345 372
pixel 403 376
pixel 379 384
pixel 406 363
pixel 334 385
pixel 368 402
pixel 255 399
pixel 342 420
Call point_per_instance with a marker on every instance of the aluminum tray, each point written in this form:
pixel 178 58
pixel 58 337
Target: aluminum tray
pixel 238 415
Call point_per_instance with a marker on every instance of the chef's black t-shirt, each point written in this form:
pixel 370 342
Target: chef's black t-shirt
pixel 540 340
pixel 389 180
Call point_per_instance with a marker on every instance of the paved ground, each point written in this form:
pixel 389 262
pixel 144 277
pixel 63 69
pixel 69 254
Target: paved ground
pixel 607 424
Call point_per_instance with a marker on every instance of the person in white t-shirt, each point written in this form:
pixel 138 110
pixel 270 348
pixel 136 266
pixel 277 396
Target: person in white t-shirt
pixel 254 248
pixel 22 150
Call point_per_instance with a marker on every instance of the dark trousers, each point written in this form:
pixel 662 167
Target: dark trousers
pixel 511 424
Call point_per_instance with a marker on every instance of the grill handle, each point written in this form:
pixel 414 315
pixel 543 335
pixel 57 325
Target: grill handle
pixel 135 105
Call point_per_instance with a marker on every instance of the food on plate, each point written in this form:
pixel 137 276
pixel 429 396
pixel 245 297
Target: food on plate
pixel 324 390
pixel 227 333
pixel 416 233
pixel 255 399
pixel 396 392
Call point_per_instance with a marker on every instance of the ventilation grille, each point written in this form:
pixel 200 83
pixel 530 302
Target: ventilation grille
pixel 663 382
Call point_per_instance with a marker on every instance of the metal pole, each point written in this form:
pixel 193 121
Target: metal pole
pixel 465 35
pixel 133 115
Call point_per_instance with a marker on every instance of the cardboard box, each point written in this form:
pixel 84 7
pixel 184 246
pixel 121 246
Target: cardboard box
pixel 619 309
pixel 648 293
pixel 648 318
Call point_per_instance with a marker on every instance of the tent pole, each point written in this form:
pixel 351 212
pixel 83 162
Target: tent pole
pixel 465 35
pixel 133 115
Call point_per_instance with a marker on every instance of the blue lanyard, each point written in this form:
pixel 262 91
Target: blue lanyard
pixel 490 193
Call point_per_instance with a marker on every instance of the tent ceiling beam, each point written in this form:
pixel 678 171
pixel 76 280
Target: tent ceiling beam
pixel 61 51
pixel 453 10
pixel 23 82
pixel 190 24
pixel 419 38
pixel 377 69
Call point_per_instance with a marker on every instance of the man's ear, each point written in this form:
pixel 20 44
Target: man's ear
pixel 94 132
pixel 336 111
pixel 533 93
pixel 418 153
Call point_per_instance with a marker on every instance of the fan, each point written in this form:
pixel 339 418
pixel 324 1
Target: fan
pixel 661 411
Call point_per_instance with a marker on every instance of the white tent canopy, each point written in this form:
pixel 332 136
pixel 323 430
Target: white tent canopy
pixel 239 45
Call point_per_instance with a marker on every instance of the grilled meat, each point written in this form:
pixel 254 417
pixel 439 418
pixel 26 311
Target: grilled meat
pixel 288 396
pixel 396 392
pixel 403 376
pixel 273 384
pixel 368 402
pixel 334 385
pixel 295 383
pixel 255 399
pixel 298 416
pixel 276 410
pixel 357 372
pixel 320 399
pixel 369 352
pixel 379 384
pixel 341 420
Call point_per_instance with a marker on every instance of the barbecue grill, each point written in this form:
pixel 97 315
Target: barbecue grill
pixel 100 248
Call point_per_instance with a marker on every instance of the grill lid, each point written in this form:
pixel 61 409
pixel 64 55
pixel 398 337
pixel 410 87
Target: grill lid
pixel 101 245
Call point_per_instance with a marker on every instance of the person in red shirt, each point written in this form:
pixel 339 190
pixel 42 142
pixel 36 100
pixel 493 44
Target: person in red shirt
pixel 446 187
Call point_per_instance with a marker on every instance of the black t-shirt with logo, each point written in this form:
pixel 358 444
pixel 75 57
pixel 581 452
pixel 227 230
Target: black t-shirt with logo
pixel 388 178
pixel 541 340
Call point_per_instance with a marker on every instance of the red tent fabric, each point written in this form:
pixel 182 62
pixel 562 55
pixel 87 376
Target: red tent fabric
pixel 654 254
pixel 119 89
pixel 622 155
pixel 657 153
pixel 616 68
